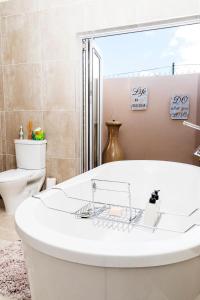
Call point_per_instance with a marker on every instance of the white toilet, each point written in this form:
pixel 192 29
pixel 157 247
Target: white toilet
pixel 27 180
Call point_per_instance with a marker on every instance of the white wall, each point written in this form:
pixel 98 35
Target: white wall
pixel 112 13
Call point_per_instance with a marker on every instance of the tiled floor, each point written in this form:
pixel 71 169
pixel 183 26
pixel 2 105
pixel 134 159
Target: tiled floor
pixel 7 234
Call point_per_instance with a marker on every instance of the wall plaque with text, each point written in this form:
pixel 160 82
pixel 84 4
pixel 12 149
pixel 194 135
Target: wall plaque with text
pixel 180 107
pixel 139 98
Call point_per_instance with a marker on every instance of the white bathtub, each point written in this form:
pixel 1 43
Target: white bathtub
pixel 74 259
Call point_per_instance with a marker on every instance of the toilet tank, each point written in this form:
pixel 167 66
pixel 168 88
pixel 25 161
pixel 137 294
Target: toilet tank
pixel 30 154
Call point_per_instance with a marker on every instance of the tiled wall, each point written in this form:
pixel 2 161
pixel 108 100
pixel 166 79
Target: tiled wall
pixel 35 84
pixel 40 66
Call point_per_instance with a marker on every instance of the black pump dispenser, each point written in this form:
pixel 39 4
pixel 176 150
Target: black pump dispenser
pixel 154 197
pixel 155 194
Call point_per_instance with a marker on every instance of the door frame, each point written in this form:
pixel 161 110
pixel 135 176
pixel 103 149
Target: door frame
pixel 89 134
pixel 118 31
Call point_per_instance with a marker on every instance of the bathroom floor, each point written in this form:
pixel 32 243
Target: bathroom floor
pixel 7 234
pixel 7 227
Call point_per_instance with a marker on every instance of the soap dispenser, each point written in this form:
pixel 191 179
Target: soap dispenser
pixel 151 212
pixel 21 133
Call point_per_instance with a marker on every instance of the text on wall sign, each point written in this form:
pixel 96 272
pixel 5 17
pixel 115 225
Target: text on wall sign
pixel 139 98
pixel 180 107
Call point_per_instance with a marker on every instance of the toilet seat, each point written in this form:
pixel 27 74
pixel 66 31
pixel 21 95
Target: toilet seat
pixel 18 174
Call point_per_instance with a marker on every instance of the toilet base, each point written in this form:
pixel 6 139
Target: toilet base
pixel 14 193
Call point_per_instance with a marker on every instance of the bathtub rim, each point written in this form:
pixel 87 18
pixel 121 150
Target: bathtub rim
pixel 175 252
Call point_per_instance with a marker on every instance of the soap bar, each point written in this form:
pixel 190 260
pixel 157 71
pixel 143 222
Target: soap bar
pixel 116 211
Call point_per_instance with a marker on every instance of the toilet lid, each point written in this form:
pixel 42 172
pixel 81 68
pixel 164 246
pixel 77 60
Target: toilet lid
pixel 14 174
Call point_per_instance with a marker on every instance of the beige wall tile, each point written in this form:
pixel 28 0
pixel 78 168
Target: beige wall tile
pixel 15 119
pixel 10 147
pixel 1 50
pixel 21 39
pixel 18 7
pixel 3 30
pixel 2 133
pixel 78 167
pixel 78 82
pixel 61 169
pixel 1 90
pixel 1 163
pixel 4 162
pixel 10 162
pixel 46 4
pixel 2 125
pixel 60 133
pixel 22 87
pixel 49 4
pixel 58 86
pixel 57 35
pixel 3 146
pixel 77 134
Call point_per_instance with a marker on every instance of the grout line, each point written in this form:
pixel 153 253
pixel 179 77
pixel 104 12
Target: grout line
pixel 63 158
pixel 48 157
pixel 40 111
pixel 20 64
pixel 62 60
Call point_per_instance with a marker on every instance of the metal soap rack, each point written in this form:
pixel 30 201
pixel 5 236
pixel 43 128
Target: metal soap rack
pixel 101 211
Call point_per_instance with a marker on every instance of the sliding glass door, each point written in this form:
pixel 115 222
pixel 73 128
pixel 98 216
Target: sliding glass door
pixel 92 105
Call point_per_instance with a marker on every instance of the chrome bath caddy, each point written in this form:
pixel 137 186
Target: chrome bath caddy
pixel 111 207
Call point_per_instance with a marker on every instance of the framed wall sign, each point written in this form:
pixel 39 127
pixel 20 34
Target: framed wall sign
pixel 139 98
pixel 180 107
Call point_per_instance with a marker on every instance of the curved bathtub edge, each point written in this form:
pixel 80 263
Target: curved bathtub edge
pixel 109 261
